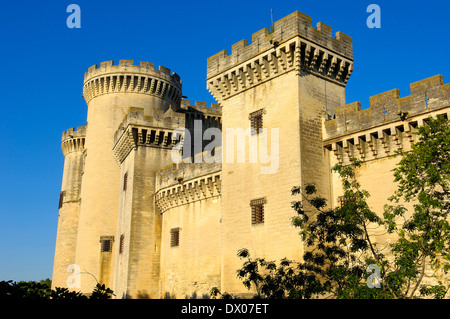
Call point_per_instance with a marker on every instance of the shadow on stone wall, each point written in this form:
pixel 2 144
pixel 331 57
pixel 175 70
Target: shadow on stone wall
pixel 168 295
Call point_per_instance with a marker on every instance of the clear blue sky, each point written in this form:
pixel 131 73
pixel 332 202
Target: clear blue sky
pixel 43 63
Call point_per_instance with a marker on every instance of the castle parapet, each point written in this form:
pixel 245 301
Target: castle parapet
pixel 139 129
pixel 128 66
pixel 388 125
pixel 426 95
pixel 127 77
pixel 73 132
pixel 184 183
pixel 175 174
pixel 73 140
pixel 215 110
pixel 294 45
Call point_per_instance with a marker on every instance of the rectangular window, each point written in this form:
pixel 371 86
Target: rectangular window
pixel 256 121
pixel 106 243
pixel 125 181
pixel 174 237
pixel 257 209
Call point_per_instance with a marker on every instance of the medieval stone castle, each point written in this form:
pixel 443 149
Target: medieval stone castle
pixel 131 218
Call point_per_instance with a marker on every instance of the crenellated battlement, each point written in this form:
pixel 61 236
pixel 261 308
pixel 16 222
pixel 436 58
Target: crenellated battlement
pixel 126 77
pixel 73 132
pixel 174 174
pixel 128 66
pixel 293 46
pixel 214 110
pixel 73 140
pixel 139 129
pixel 184 183
pixel 156 119
pixel 388 124
pixel 295 24
pixel 426 95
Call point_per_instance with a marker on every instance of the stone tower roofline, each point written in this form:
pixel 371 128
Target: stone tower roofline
pixel 73 132
pixel 293 46
pixel 138 128
pixel 126 77
pixel 156 119
pixel 176 173
pixel 128 66
pixel 185 183
pixel 293 25
pixel 426 95
pixel 214 110
pixel 73 140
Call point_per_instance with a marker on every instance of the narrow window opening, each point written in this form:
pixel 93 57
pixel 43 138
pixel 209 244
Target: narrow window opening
pixel 61 199
pixel 125 181
pixel 121 244
pixel 175 237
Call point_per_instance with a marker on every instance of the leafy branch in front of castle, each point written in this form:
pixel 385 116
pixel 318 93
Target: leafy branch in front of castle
pixel 339 245
pixel 33 290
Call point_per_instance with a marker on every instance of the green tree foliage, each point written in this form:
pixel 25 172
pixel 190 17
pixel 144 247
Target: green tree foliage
pixel 423 176
pixel 25 289
pixel 339 249
pixel 32 290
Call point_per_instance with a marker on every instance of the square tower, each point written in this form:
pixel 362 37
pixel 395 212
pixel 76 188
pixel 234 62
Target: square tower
pixel 274 94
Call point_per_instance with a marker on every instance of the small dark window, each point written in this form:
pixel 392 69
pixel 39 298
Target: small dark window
pixel 256 121
pixel 257 208
pixel 125 181
pixel 61 199
pixel 121 244
pixel 106 243
pixel 174 237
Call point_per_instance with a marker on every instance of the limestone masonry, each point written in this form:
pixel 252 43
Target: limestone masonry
pixel 148 227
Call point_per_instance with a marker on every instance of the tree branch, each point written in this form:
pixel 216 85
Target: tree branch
pixel 422 272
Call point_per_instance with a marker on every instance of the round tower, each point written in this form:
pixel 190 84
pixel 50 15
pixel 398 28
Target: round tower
pixel 110 90
pixel 72 146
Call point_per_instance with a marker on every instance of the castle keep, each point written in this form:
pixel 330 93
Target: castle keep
pixel 131 218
